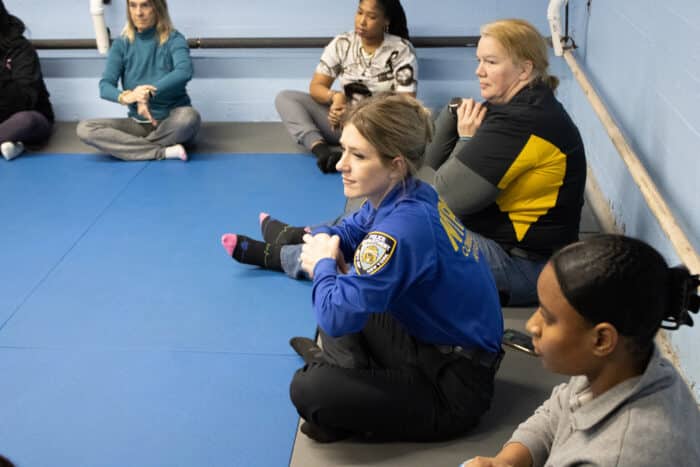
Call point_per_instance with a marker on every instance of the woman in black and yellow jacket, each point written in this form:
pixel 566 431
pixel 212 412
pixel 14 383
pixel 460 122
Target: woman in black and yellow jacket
pixel 513 167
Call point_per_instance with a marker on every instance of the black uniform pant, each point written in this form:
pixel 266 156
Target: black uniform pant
pixel 384 384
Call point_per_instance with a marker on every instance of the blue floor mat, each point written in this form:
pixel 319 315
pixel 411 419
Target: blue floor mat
pixel 86 407
pixel 136 282
pixel 47 204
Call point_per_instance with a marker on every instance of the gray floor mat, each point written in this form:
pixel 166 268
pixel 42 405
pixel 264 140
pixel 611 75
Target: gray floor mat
pixel 213 138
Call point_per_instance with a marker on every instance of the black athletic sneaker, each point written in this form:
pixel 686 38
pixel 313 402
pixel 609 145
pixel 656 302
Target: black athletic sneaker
pixel 307 349
pixel 321 435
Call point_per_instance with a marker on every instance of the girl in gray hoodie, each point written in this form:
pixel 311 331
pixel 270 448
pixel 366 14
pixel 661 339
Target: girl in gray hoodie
pixel 602 301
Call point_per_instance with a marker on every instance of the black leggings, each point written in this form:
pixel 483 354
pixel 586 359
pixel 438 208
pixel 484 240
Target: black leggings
pixel 28 126
pixel 386 385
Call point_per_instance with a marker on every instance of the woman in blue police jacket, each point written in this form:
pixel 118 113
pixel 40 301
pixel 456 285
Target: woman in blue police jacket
pixel 408 311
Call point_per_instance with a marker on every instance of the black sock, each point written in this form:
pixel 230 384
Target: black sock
pixel 265 255
pixel 326 159
pixel 279 233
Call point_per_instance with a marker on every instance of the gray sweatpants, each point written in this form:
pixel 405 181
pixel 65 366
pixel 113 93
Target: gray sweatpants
pixel 305 119
pixel 129 140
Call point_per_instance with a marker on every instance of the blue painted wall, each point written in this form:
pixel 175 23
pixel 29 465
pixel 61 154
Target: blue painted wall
pixel 643 56
pixel 240 85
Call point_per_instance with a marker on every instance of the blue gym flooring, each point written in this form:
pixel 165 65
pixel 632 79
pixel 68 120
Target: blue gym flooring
pixel 127 336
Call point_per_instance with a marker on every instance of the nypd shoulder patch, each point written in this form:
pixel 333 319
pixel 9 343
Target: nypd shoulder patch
pixel 374 252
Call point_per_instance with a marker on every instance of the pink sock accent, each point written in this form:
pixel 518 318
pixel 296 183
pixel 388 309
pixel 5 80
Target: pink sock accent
pixel 183 156
pixel 229 242
pixel 307 229
pixel 262 216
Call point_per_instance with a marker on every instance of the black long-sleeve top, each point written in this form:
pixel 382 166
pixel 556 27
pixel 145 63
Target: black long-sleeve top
pixel 22 84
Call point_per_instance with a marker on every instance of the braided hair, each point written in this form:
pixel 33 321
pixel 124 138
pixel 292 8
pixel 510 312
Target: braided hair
pixel 398 25
pixel 627 283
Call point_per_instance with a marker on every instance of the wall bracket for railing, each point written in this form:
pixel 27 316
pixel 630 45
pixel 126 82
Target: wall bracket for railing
pixel 261 42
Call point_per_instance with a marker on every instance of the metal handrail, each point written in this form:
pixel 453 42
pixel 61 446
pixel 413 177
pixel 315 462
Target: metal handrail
pixel 658 206
pixel 261 42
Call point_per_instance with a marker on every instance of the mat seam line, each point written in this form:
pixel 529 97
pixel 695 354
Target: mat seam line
pixel 73 245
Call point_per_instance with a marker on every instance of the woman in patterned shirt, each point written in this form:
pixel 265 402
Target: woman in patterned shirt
pixel 376 57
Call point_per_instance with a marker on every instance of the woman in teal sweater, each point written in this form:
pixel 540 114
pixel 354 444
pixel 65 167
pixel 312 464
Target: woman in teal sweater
pixel 152 60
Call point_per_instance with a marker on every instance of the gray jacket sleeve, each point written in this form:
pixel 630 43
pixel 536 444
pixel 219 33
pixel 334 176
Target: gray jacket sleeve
pixel 444 139
pixel 464 191
pixel 537 432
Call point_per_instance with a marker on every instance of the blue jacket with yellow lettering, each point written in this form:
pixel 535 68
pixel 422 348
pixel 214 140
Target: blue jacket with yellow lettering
pixel 412 258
